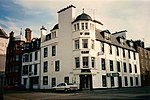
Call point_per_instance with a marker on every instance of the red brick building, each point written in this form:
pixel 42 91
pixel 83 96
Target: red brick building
pixel 14 57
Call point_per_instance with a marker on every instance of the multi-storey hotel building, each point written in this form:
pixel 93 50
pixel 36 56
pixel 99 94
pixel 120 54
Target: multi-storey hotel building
pixel 78 51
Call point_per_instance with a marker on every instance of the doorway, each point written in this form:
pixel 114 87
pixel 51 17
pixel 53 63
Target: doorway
pixel 86 82
pixel 119 82
pixel 34 82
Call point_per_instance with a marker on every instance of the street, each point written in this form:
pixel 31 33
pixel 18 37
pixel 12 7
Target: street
pixel 139 93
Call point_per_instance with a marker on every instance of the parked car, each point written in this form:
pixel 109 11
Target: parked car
pixel 66 87
pixel 20 87
pixel 9 87
pixel 14 87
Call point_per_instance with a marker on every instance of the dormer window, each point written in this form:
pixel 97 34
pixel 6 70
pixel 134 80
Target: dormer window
pixel 122 41
pixel 48 37
pixel 32 44
pixel 107 36
pixel 131 44
pixel 53 34
pixel 26 46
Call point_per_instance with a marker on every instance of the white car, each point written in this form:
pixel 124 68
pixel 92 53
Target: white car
pixel 66 87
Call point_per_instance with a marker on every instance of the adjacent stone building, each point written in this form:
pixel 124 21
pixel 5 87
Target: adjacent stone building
pixel 144 59
pixel 3 46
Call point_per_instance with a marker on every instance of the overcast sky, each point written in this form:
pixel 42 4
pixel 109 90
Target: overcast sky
pixel 116 15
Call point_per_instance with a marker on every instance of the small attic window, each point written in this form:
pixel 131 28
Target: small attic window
pixel 122 41
pixel 53 34
pixel 107 36
pixel 131 44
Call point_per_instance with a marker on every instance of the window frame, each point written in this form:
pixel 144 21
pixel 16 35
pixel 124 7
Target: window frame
pixel 45 66
pixel 45 82
pixel 36 55
pixel 77 62
pixel 53 82
pixel 111 65
pixel 112 81
pixel 117 50
pixel 123 51
pixel 130 68
pixel 35 69
pixel 57 65
pixel 85 61
pixel 103 64
pixel 126 80
pixel 82 26
pixel 124 67
pixel 86 25
pixel 118 66
pixel 84 43
pixel 54 50
pixel 104 81
pixel 135 68
pixel 110 49
pixel 77 44
pixel 93 62
pixel 45 52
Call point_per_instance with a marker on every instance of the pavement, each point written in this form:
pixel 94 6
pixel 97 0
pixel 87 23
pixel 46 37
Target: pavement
pixel 136 93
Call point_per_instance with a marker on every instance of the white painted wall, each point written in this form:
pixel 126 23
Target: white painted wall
pixel 3 47
pixel 32 63
pixel 65 52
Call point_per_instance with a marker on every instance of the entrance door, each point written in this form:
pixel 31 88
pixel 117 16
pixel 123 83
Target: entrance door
pixel 119 82
pixel 25 82
pixel 85 82
pixel 31 83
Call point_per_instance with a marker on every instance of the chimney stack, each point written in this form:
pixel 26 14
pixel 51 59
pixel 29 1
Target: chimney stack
pixel 11 34
pixel 28 34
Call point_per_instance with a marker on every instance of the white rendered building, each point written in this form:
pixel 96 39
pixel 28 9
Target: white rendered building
pixel 31 62
pixel 3 48
pixel 77 51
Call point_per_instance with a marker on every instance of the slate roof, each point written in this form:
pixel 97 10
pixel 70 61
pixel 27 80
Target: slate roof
pixel 114 40
pixel 55 27
pixel 3 34
pixel 83 16
pixel 86 17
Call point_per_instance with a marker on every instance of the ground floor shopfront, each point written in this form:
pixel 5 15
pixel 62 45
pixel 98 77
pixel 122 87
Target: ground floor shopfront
pixel 93 81
pixel 31 82
pixel 86 80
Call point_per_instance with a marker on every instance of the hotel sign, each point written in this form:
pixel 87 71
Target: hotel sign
pixel 112 74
